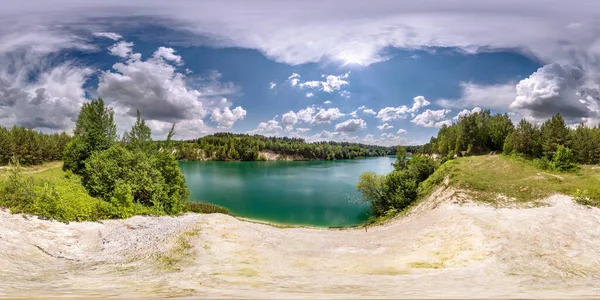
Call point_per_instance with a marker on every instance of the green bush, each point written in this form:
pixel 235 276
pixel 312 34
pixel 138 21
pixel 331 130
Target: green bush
pixel 205 208
pixel 151 181
pixel 563 160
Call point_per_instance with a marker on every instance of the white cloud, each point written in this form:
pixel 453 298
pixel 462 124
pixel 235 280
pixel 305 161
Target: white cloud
pixel 303 129
pixel 557 88
pixel 306 115
pixel 351 125
pixel 392 113
pixel 354 114
pixel 330 84
pixel 288 120
pixel 369 111
pixel 418 103
pixel 327 115
pixel 270 127
pixel 51 100
pixel 362 107
pixel 327 102
pixel 294 79
pixel 466 112
pixel 272 85
pixel 168 54
pixel 109 35
pixel 498 96
pixel 227 117
pixel 401 131
pixel 309 95
pixel 163 95
pixel 431 118
pixel 122 49
pixel 385 126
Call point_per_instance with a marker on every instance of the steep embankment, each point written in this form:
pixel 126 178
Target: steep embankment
pixel 446 247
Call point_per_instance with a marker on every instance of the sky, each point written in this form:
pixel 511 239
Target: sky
pixel 377 72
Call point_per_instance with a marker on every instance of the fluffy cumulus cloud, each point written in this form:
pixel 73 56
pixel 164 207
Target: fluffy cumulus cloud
pixel 329 84
pixel 369 111
pixel 431 118
pixel 418 103
pixel 289 119
pixel 351 125
pixel 310 115
pixel 227 117
pixel 401 131
pixel 385 126
pixel 294 79
pixel 394 113
pixel 168 54
pixel 497 96
pixel 270 127
pixel 466 112
pixel 558 88
pixel 36 89
pixel 121 49
pixel 161 93
pixel 309 95
pixel 327 115
pixel 272 85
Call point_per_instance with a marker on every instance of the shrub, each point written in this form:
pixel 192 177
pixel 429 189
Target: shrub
pixel 421 167
pixel 18 192
pixel 205 208
pixel 151 181
pixel 563 160
pixel 401 188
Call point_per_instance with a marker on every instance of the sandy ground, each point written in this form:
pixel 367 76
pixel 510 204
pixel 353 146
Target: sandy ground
pixel 447 247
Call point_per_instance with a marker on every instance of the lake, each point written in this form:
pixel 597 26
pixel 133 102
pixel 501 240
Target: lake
pixel 317 193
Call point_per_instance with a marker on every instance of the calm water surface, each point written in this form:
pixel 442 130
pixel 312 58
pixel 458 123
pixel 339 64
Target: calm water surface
pixel 318 193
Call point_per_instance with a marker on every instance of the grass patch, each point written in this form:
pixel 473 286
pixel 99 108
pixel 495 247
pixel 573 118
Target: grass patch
pixel 425 265
pixel 172 260
pixel 49 192
pixel 389 271
pixel 206 208
pixel 514 178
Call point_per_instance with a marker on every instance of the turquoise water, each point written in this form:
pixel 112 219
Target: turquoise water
pixel 317 193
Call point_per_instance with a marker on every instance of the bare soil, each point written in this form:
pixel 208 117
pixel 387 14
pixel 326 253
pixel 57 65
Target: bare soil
pixel 447 247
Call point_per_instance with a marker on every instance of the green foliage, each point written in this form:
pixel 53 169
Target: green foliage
pixel 401 159
pixel 397 190
pixel 205 208
pixel 229 146
pixel 52 194
pixel 31 147
pixel 562 159
pixel 95 130
pixel 554 133
pixel 139 137
pixel 152 181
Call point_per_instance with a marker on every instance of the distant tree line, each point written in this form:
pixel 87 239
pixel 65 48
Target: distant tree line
pixel 30 146
pixel 233 147
pixel 552 144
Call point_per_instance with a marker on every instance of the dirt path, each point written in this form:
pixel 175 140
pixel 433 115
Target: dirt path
pixel 443 249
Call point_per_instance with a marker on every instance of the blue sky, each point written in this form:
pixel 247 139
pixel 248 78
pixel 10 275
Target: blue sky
pixel 392 76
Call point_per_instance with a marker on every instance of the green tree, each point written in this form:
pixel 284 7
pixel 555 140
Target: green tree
pixel 554 132
pixel 95 130
pixel 139 137
pixel 401 159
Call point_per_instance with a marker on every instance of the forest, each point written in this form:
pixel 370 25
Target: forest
pixel 234 147
pixel 546 144
pixel 30 146
pixel 550 146
pixel 33 148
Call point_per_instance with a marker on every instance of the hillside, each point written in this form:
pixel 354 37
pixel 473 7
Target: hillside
pixel 451 244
